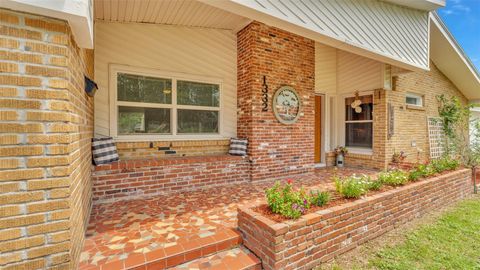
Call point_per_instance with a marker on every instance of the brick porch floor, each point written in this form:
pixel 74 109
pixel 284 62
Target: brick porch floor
pixel 171 230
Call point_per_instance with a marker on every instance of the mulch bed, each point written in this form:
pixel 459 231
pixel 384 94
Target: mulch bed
pixel 335 200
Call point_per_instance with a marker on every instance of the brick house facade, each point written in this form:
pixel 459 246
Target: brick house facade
pixel 48 183
pixel 46 126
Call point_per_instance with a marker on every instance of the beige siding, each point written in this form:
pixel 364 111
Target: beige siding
pixel 192 51
pixel 325 69
pixel 358 73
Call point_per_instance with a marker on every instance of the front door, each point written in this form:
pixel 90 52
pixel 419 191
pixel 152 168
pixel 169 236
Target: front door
pixel 318 129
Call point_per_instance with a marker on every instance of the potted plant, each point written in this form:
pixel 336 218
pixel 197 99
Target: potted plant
pixel 340 152
pixel 398 157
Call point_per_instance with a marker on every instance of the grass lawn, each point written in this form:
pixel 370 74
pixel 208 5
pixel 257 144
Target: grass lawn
pixel 447 241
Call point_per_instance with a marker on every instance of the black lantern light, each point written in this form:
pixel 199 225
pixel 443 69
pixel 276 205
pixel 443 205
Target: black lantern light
pixel 90 87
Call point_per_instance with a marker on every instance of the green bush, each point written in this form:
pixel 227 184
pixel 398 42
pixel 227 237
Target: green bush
pixel 286 201
pixel 444 164
pixel 393 178
pixel 375 185
pixel 319 198
pixel 353 186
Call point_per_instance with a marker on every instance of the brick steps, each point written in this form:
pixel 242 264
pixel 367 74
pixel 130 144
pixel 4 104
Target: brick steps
pixel 163 258
pixel 238 258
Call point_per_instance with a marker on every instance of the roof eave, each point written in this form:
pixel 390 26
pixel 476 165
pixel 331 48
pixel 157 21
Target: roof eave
pixel 450 58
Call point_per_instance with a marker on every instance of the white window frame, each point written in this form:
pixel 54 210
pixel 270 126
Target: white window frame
pixel 114 69
pixel 418 97
pixel 354 150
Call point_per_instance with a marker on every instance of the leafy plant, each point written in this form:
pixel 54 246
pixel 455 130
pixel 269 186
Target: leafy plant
pixel 398 157
pixel 444 164
pixel 393 178
pixel 340 150
pixel 319 198
pixel 421 171
pixel 353 186
pixel 286 201
pixel 461 134
pixel 375 185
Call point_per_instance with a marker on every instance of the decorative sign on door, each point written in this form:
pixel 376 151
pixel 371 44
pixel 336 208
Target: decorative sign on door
pixel 286 105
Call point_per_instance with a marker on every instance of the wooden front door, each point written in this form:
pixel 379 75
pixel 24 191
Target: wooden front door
pixel 318 129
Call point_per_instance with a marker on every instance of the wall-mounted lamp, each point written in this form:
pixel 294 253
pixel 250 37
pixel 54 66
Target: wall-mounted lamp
pixel 90 87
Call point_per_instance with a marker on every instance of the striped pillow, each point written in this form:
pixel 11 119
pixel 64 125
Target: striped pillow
pixel 104 150
pixel 238 147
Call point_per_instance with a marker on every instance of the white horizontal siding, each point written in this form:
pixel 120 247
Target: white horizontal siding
pixel 193 51
pixel 357 73
pixel 325 69
pixel 172 12
pixel 368 27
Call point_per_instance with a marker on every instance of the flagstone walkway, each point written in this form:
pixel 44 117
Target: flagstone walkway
pixel 174 229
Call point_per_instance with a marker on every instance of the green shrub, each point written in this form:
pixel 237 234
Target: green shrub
pixel 319 198
pixel 444 164
pixel 393 178
pixel 353 186
pixel 286 201
pixel 375 185
pixel 421 171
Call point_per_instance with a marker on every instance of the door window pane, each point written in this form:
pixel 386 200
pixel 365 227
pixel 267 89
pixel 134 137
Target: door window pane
pixel 358 135
pixel 198 94
pixel 138 120
pixel 137 88
pixel 197 121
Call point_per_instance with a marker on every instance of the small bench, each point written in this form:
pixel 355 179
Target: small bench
pixel 141 178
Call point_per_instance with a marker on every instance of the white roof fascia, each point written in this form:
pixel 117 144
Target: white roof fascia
pixel 78 13
pixel 467 81
pixel 428 5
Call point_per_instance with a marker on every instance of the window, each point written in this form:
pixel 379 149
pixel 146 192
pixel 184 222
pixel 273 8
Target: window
pixel 414 99
pixel 359 122
pixel 166 106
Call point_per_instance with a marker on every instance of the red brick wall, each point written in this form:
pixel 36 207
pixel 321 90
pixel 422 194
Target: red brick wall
pixel 318 237
pixel 141 178
pixel 285 59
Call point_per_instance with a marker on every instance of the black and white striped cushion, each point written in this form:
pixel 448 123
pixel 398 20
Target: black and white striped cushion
pixel 238 147
pixel 104 150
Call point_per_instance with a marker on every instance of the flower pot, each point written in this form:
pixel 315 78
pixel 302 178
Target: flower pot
pixel 340 160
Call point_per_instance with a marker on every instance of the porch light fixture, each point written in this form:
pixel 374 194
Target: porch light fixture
pixel 356 103
pixel 90 86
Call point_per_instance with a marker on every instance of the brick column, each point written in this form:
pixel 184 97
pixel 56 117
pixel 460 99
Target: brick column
pixel 275 149
pixel 46 121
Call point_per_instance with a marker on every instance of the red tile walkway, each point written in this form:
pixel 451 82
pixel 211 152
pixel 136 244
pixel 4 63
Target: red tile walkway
pixel 172 229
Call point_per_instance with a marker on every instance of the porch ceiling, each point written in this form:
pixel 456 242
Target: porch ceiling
pixel 173 12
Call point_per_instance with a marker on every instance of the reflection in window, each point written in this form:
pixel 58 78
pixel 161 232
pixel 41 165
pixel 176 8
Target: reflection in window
pixel 359 122
pixel 135 88
pixel 198 94
pixel 134 120
pixel 196 121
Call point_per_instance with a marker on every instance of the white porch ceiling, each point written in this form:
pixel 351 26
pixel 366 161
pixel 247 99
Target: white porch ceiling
pixel 172 12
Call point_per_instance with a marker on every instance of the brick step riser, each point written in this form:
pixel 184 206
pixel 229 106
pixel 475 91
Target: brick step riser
pixel 189 255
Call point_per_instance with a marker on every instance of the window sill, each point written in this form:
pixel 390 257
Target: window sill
pixel 415 107
pixel 360 151
pixel 149 138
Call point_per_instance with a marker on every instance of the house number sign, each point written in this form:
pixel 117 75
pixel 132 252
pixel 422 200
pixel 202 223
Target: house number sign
pixel 286 105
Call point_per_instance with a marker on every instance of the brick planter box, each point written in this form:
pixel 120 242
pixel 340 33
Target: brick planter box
pixel 130 179
pixel 318 237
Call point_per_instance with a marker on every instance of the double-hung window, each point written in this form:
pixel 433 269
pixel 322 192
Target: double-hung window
pixel 165 105
pixel 359 122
